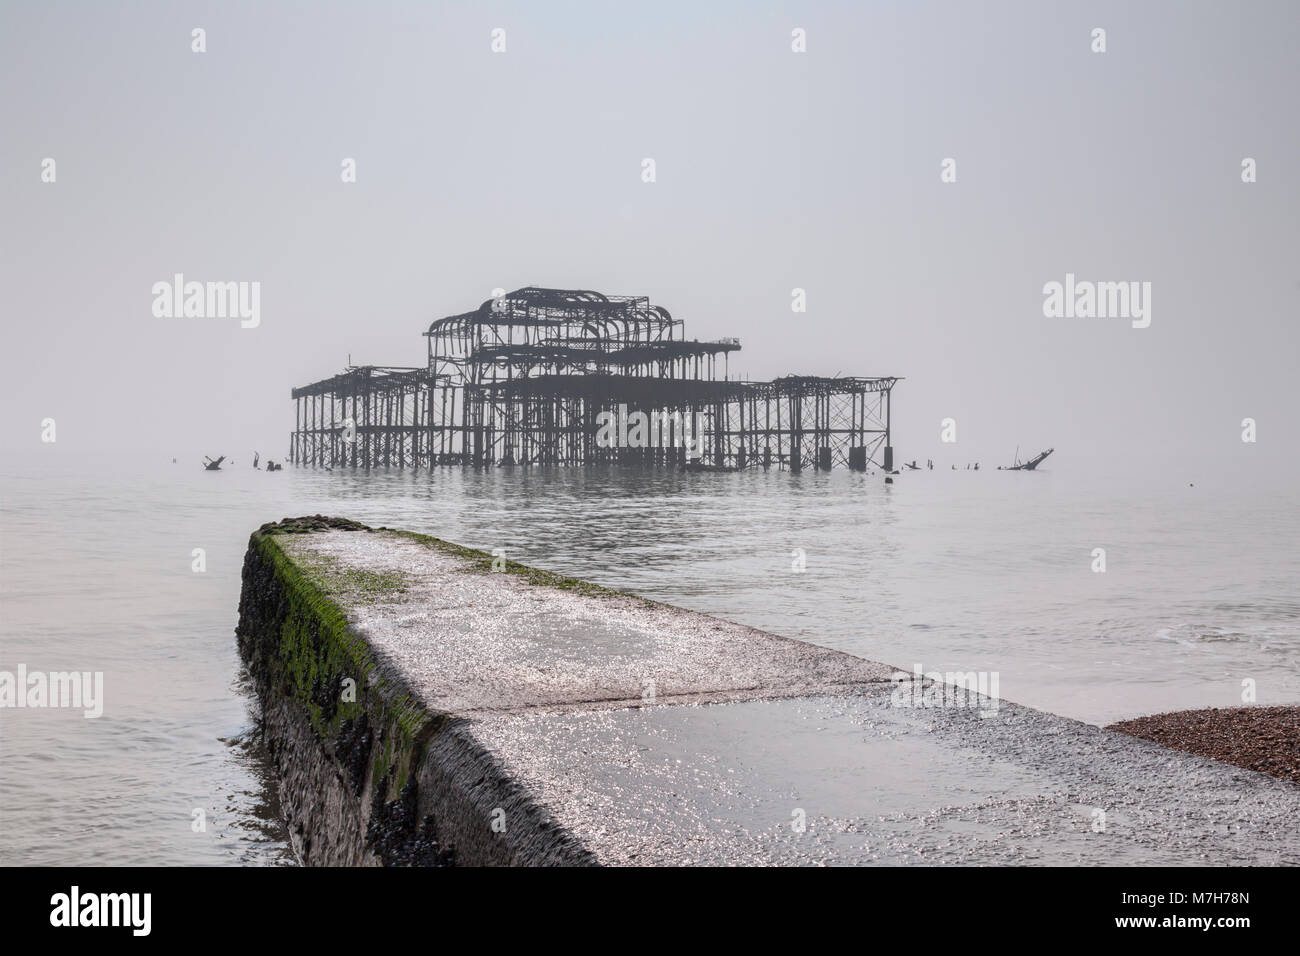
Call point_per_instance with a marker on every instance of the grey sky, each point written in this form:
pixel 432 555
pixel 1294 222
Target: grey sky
pixel 775 170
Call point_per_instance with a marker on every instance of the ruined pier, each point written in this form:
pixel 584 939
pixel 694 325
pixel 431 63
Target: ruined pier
pixel 525 378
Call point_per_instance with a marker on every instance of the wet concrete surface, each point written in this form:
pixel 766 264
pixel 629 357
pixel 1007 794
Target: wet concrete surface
pixel 468 641
pixel 658 736
pixel 874 783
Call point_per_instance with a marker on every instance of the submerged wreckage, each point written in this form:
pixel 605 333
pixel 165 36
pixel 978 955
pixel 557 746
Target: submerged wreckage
pixel 1027 465
pixel 537 376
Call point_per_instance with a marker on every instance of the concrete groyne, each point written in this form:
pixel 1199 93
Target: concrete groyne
pixel 427 704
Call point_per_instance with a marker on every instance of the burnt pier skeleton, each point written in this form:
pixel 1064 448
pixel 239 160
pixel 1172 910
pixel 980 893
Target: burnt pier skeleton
pixel 524 378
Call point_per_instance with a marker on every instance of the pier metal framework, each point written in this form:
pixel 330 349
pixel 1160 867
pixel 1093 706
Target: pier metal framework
pixel 365 416
pixel 531 377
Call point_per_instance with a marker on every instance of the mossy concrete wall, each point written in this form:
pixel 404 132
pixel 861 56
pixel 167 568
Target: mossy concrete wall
pixel 368 775
pixel 383 658
pixel 429 704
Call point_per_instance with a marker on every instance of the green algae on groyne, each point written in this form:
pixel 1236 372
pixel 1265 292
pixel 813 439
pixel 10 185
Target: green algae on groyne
pixel 426 703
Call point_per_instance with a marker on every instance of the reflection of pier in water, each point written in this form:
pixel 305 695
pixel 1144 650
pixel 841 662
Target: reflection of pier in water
pixel 524 378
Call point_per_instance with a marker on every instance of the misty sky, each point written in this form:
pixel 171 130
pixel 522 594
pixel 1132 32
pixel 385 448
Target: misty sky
pixel 775 170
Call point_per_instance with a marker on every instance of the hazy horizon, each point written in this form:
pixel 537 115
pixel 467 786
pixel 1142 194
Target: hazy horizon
pixel 775 170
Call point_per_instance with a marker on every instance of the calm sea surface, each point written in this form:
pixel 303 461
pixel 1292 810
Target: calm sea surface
pixel 955 571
